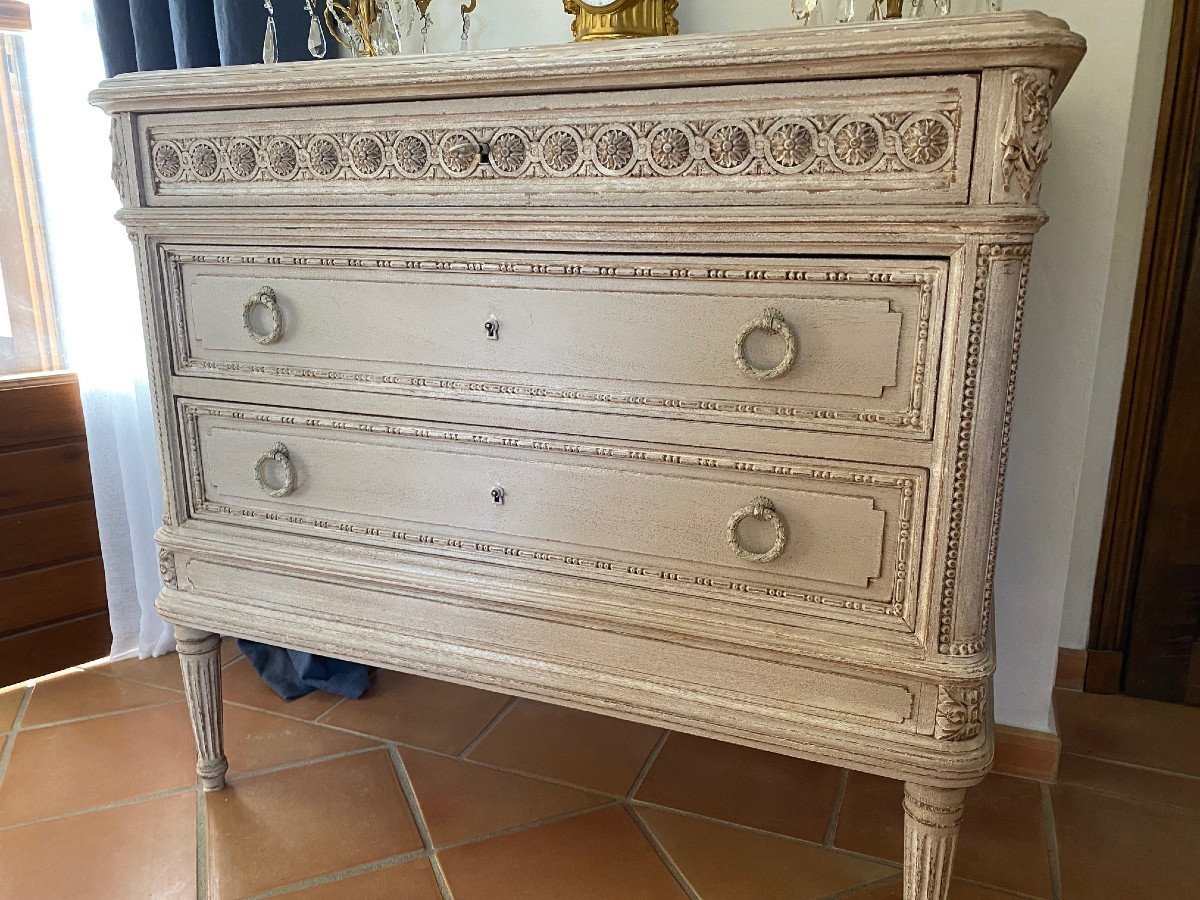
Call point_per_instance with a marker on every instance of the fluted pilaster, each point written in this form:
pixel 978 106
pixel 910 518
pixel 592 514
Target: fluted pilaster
pixel 200 659
pixel 931 821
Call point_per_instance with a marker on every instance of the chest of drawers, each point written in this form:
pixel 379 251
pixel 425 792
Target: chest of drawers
pixel 665 379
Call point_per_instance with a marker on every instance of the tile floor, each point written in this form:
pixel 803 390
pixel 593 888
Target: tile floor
pixel 424 790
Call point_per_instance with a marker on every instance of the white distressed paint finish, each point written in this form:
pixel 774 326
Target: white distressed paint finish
pixel 534 462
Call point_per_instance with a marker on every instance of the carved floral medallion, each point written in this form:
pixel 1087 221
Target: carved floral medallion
pixel 366 155
pixel 730 147
pixel 925 141
pixel 561 151
pixel 202 159
pixel 412 154
pixel 670 149
pixel 792 145
pixel 959 715
pixel 323 156
pixel 616 149
pixel 857 143
pixel 509 152
pixel 282 159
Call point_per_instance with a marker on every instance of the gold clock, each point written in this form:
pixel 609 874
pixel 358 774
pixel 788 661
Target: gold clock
pixel 607 19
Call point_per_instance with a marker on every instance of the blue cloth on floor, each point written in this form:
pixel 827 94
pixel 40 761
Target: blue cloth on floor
pixel 292 673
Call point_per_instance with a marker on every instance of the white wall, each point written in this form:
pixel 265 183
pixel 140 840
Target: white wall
pixel 1080 295
pixel 1076 332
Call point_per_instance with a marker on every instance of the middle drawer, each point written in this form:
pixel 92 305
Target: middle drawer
pixel 842 346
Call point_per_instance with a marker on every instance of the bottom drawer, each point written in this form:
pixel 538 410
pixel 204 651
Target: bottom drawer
pixel 792 540
pixel 296 593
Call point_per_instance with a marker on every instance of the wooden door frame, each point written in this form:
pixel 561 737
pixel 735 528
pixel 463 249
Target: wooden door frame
pixel 1170 220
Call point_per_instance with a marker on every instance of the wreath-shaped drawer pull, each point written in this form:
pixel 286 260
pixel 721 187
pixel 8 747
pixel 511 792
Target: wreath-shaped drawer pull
pixel 772 322
pixel 763 510
pixel 278 454
pixel 265 300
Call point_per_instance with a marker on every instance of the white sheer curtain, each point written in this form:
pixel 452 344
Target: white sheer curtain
pixel 96 289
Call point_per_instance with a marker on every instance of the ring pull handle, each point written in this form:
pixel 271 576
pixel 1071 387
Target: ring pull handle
pixel 772 322
pixel 278 454
pixel 265 300
pixel 763 510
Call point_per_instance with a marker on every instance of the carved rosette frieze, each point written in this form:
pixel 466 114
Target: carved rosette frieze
pixel 960 710
pixel 1027 135
pixel 829 145
pixel 989 255
pixel 166 568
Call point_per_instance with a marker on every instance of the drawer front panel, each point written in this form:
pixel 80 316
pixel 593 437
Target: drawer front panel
pixel 844 539
pixel 900 140
pixel 674 339
pixel 536 655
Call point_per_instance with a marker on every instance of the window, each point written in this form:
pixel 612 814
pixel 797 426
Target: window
pixel 29 334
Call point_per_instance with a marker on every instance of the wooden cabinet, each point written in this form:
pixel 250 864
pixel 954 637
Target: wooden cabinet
pixel 667 379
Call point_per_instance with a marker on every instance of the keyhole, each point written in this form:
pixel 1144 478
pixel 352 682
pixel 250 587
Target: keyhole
pixel 492 328
pixel 498 496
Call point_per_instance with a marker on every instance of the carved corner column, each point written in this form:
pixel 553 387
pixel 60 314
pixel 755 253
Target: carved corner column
pixel 932 817
pixel 200 659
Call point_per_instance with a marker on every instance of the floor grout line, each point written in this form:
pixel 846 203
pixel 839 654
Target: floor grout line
pixel 103 715
pixel 340 701
pixel 487 729
pixel 1051 838
pixel 201 845
pixel 439 876
pixel 667 861
pixel 7 751
pixel 103 807
pixel 764 832
pixel 382 741
pixel 234 778
pixel 341 874
pixel 127 680
pixel 646 766
pixel 529 826
pixel 863 888
pixel 1129 765
pixel 414 806
pixel 838 798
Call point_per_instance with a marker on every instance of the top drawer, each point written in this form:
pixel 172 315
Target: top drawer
pixel 898 140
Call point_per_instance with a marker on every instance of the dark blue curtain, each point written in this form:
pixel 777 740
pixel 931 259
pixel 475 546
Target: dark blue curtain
pixel 141 35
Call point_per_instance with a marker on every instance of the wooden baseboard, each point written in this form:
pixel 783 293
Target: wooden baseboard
pixel 1029 754
pixel 1104 671
pixel 1072 664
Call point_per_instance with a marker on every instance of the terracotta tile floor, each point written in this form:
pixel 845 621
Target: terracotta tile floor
pixel 423 791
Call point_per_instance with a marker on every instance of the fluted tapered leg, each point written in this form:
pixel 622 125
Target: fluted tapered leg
pixel 200 658
pixel 931 820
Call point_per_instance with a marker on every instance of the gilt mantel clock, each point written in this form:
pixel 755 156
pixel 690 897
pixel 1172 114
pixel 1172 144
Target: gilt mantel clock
pixel 608 19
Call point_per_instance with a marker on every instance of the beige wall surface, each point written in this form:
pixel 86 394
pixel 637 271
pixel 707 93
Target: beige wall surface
pixel 1080 295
